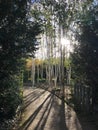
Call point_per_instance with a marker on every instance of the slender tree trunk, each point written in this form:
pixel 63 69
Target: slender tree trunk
pixel 38 73
pixel 33 72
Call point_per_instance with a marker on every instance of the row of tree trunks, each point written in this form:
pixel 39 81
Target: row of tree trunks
pixel 54 52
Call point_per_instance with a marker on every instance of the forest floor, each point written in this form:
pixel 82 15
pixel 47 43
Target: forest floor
pixel 43 110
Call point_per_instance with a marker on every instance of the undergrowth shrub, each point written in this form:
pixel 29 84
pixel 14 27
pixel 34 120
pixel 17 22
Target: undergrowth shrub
pixel 10 97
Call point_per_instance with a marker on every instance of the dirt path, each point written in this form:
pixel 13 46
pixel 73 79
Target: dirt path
pixel 44 111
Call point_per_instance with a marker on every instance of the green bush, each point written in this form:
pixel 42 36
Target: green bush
pixel 10 98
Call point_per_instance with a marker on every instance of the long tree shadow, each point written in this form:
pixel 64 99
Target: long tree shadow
pixel 62 116
pixel 32 94
pixel 45 115
pixel 62 110
pixel 29 94
pixel 58 119
pixel 27 123
pixel 32 99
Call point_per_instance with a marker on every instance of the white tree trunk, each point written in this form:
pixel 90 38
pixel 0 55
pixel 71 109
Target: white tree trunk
pixel 33 72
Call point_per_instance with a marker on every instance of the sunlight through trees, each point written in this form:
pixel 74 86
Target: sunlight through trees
pixel 51 42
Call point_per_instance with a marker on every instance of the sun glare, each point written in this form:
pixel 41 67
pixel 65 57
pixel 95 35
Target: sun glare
pixel 66 44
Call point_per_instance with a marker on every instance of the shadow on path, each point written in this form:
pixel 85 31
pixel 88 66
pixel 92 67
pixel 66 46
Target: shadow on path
pixel 31 99
pixel 62 116
pixel 27 123
pixel 58 117
pixel 29 94
pixel 43 119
